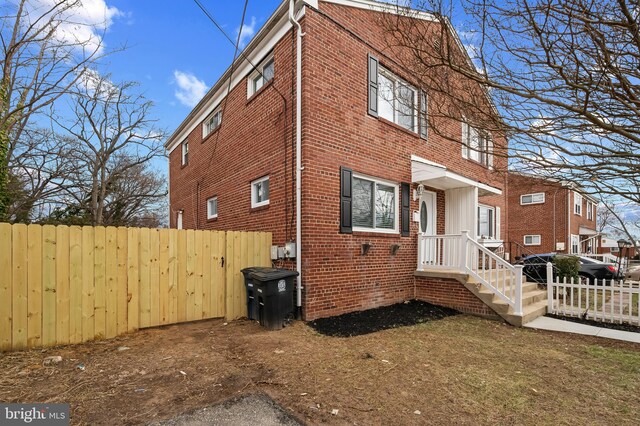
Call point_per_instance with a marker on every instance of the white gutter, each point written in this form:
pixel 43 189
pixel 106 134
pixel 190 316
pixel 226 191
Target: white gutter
pixel 299 167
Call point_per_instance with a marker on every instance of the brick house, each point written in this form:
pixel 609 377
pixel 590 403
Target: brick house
pixel 384 203
pixel 553 216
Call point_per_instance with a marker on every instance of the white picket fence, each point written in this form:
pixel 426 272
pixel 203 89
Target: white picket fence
pixel 599 300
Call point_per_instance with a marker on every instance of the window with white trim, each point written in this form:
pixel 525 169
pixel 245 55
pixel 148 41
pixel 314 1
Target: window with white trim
pixel 590 209
pixel 261 75
pixel 477 145
pixel 537 198
pixel 185 152
pixel 397 100
pixel 575 244
pixel 486 222
pixel 260 192
pixel 532 240
pixel 212 208
pixel 374 205
pixel 212 122
pixel 577 203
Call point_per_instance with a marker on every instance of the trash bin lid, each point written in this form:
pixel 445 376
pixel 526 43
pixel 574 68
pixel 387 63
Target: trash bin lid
pixel 270 274
pixel 251 269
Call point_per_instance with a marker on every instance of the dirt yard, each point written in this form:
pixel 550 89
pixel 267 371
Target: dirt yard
pixel 457 370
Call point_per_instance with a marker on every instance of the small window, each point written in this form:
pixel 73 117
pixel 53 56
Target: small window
pixel 532 240
pixel 577 203
pixel 261 76
pixel 212 208
pixel 260 192
pixel 185 153
pixel 477 145
pixel 212 123
pixel 590 210
pixel 486 222
pixel 374 205
pixel 537 198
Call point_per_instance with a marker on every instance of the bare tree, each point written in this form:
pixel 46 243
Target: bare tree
pixel 563 74
pixel 112 179
pixel 42 58
pixel 620 220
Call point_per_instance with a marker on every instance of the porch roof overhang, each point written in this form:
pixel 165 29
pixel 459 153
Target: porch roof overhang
pixel 439 177
pixel 586 231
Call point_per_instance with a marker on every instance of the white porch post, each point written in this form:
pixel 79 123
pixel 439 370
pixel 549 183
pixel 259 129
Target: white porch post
pixel 549 287
pixel 464 237
pixel 518 301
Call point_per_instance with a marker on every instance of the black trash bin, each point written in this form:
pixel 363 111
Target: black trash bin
pixel 274 290
pixel 252 298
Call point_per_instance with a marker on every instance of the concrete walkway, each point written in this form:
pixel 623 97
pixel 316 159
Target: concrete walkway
pixel 553 324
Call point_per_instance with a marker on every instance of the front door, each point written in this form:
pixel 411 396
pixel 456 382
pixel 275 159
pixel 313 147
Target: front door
pixel 427 227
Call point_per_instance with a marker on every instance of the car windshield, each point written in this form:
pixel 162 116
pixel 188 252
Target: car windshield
pixel 589 260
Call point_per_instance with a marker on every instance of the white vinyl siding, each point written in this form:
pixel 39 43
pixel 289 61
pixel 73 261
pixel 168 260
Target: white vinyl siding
pixel 537 198
pixel 374 205
pixel 532 240
pixel 212 208
pixel 260 192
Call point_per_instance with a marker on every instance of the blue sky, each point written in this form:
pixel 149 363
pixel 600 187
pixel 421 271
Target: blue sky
pixel 174 51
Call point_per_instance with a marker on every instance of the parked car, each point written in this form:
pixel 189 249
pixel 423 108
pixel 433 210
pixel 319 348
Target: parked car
pixel 535 268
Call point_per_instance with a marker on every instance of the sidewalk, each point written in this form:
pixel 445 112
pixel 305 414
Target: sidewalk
pixel 553 324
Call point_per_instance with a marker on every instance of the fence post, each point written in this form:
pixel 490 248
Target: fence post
pixel 518 302
pixel 464 237
pixel 549 287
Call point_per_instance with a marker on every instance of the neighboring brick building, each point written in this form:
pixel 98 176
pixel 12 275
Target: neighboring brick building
pixel 552 216
pixel 373 175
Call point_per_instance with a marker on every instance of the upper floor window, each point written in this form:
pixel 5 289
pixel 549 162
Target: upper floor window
pixel 590 209
pixel 577 203
pixel 212 208
pixel 212 122
pixel 477 145
pixel 537 198
pixel 486 222
pixel 393 99
pixel 374 205
pixel 260 192
pixel 261 76
pixel 185 152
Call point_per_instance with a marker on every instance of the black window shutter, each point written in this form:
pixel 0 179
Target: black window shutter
pixel 405 210
pixel 372 84
pixel 346 176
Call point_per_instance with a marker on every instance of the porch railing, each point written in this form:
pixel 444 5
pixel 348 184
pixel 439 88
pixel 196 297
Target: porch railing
pixel 462 253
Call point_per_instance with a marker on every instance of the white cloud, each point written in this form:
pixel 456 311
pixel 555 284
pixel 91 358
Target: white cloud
pixel 247 31
pixel 80 23
pixel 190 88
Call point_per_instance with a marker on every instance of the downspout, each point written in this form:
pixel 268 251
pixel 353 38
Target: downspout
pixel 299 168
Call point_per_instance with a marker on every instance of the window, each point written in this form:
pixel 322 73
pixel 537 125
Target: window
pixel 486 222
pixel 212 122
pixel 537 198
pixel 212 208
pixel 374 205
pixel 577 203
pixel 261 76
pixel 590 209
pixel 477 145
pixel 185 153
pixel 575 244
pixel 397 102
pixel 532 240
pixel 260 192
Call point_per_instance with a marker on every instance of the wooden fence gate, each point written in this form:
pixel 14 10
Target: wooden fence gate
pixel 61 284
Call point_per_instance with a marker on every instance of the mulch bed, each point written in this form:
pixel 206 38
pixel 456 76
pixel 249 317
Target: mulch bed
pixel 613 326
pixel 372 320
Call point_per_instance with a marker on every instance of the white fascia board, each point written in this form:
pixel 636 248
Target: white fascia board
pixel 385 7
pixel 265 40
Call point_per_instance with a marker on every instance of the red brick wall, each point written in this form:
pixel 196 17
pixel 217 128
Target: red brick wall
pixel 337 131
pixel 452 294
pixel 254 140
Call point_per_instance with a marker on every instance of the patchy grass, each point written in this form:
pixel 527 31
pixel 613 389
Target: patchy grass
pixel 458 370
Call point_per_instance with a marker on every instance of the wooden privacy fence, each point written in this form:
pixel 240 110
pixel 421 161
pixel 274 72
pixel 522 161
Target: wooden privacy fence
pixel 61 284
